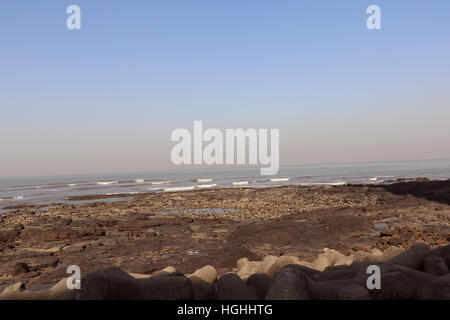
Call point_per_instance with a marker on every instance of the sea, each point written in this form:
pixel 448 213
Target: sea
pixel 15 192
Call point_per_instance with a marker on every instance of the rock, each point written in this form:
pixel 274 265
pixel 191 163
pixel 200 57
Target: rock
pixel 335 257
pixel 246 268
pixel 14 288
pixel 20 268
pixel 107 284
pixel 413 258
pixel 241 263
pixel 427 286
pixel 231 287
pixel 202 290
pixel 443 252
pixel 165 271
pixel 165 288
pixel 436 266
pixel 261 282
pixel 115 284
pixel 321 263
pixel 280 263
pixel 267 263
pixel 333 290
pixel 202 280
pixel 207 273
pixel 353 292
pixel 343 272
pixel 391 252
pixel 362 256
pixel 394 286
pixel 289 283
pixel 58 290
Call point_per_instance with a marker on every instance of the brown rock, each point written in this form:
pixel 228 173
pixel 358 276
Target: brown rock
pixel 207 273
pixel 20 268
pixel 14 288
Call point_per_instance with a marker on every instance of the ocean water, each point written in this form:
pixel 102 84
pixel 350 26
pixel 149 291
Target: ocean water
pixel 44 190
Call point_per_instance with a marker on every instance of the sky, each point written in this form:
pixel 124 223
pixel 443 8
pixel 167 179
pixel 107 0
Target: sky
pixel 106 98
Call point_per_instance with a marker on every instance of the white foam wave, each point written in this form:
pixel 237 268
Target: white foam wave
pixel 72 185
pixel 240 183
pixel 179 188
pixel 107 183
pixel 204 180
pixel 139 180
pixel 18 198
pixel 279 179
pixel 207 185
pixel 340 183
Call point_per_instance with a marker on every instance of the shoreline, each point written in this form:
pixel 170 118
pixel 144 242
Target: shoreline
pixel 75 200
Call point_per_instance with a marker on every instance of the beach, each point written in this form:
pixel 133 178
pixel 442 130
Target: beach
pixel 190 229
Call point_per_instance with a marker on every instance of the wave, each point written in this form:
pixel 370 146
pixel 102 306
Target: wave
pixel 160 182
pixel 179 188
pixel 340 183
pixel 139 180
pixel 240 183
pixel 203 180
pixel 207 185
pixel 155 189
pixel 107 183
pixel 17 198
pixel 279 179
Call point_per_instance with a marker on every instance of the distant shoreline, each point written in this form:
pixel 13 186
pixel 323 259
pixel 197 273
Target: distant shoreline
pixel 83 199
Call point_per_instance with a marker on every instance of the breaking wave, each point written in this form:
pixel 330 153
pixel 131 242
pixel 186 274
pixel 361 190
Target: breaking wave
pixel 203 180
pixel 107 183
pixel 279 179
pixel 179 188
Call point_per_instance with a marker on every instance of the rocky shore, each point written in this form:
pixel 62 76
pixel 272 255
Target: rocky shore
pixel 191 230
pixel 419 273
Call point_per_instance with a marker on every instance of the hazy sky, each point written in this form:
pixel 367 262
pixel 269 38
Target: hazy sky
pixel 107 97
